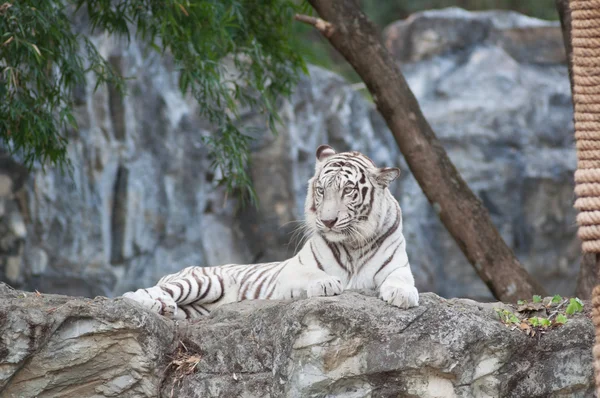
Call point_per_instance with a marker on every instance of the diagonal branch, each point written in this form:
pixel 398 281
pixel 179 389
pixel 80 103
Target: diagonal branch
pixel 459 209
pixel 322 26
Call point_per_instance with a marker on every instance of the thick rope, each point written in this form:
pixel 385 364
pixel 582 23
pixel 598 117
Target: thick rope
pixel 596 349
pixel 585 38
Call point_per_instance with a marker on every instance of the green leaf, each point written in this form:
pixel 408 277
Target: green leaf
pixel 537 299
pixel 44 62
pixel 557 298
pixel 521 302
pixel 535 321
pixel 575 306
pixel 560 319
pixel 507 317
pixel 544 322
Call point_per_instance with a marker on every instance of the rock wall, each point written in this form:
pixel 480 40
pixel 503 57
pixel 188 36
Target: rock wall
pixel 352 345
pixel 141 200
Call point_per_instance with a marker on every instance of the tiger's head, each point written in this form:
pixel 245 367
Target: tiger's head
pixel 345 195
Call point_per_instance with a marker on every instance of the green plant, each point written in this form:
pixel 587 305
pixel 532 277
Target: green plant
pixel 575 306
pixel 539 322
pixel 553 308
pixel 507 317
pixel 42 60
pixel 560 319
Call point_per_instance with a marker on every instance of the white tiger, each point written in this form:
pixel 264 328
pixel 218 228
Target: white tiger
pixel 356 242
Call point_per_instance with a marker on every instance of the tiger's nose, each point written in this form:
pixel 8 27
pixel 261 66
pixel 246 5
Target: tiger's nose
pixel 329 223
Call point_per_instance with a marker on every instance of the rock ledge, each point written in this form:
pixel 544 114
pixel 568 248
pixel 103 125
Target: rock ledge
pixel 351 345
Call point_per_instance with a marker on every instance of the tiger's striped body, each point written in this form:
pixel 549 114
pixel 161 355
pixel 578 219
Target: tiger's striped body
pixel 355 242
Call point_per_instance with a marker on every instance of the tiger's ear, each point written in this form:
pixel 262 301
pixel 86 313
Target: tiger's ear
pixel 324 151
pixel 385 175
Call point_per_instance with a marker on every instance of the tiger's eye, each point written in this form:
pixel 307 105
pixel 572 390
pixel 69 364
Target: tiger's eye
pixel 320 190
pixel 348 190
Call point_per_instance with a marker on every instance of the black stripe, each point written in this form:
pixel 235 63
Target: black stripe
pixel 183 308
pixel 178 284
pixel 242 295
pixel 168 290
pixel 377 244
pixel 347 252
pixel 220 279
pixel 368 158
pixel 258 278
pixel 392 229
pixel 361 162
pixel 363 192
pixel 315 256
pixel 186 280
pixel 273 282
pixel 248 283
pixel 199 307
pixel 251 270
pixel 336 254
pixel 371 201
pixel 386 262
pixel 257 290
pixel 206 291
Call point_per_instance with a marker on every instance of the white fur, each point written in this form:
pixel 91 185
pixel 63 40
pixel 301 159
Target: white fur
pixel 301 275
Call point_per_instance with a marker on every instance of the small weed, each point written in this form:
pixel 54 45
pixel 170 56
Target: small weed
pixel 183 363
pixel 537 316
pixel 507 317
pixel 575 306
pixel 560 319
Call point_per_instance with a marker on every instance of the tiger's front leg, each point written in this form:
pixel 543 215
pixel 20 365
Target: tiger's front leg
pixel 297 280
pixel 186 294
pixel 398 288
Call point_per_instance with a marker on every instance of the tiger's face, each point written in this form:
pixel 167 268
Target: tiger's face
pixel 344 195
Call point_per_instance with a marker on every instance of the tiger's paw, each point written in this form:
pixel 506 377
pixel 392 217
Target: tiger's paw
pixel 165 306
pixel 328 286
pixel 400 295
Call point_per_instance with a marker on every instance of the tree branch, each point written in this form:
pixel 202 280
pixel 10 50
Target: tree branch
pixel 564 13
pixel 460 210
pixel 322 26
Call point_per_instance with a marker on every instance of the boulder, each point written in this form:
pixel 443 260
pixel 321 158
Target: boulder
pixel 61 346
pixel 141 200
pixel 495 88
pixel 353 345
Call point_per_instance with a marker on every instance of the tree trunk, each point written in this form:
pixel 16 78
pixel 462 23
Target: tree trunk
pixel 463 214
pixel 588 275
pixel 590 262
pixel 564 13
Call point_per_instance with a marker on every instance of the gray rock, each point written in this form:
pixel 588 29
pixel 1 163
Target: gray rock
pixel 141 200
pixel 495 88
pixel 59 346
pixel 352 345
